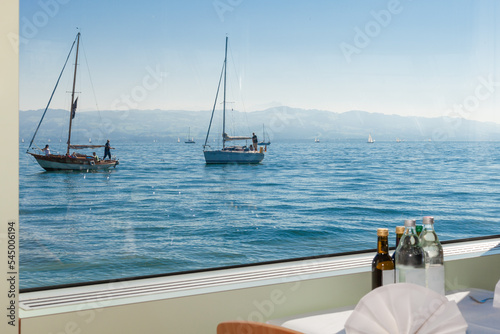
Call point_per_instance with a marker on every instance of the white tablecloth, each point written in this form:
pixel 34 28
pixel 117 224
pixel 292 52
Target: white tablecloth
pixel 481 318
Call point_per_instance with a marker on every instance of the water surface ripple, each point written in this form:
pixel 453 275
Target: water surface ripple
pixel 163 210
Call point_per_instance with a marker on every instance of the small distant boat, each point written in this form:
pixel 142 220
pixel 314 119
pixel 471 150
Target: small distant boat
pixel 229 154
pixel 189 140
pixel 264 142
pixel 316 140
pixel 370 139
pixel 75 161
pixel 398 140
pixel 178 140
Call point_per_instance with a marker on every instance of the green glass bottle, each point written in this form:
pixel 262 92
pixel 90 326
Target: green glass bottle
pixel 418 229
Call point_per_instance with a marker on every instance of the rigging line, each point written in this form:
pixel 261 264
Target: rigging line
pixel 215 104
pixel 90 77
pixel 48 104
pixel 93 92
pixel 239 88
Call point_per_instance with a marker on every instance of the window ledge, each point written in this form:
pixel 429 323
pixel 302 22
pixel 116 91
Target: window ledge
pixel 150 289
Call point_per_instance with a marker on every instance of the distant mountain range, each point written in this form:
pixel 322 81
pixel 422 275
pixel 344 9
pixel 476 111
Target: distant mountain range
pixel 281 124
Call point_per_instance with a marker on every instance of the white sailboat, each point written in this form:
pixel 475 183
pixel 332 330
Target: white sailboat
pixel 189 140
pixel 370 139
pixel 265 139
pixel 229 154
pixel 51 162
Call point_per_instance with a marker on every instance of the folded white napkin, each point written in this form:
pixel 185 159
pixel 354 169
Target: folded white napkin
pixel 405 308
pixel 496 296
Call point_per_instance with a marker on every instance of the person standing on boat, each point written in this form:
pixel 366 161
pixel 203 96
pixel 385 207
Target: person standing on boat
pixel 46 150
pixel 107 152
pixel 254 141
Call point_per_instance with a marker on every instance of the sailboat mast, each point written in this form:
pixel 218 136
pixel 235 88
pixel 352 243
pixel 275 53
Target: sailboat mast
pixel 73 92
pixel 224 103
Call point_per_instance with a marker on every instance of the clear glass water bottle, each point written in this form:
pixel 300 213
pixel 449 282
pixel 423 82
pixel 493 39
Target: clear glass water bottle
pixel 410 257
pixel 382 264
pixel 434 259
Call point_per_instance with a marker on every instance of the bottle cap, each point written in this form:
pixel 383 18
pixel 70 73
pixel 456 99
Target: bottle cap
pixel 382 232
pixel 428 220
pixel 410 222
pixel 400 229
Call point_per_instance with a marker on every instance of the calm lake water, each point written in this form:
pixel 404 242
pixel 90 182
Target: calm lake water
pixel 163 210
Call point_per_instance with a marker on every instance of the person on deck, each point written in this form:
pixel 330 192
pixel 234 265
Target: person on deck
pixel 96 158
pixel 46 150
pixel 107 148
pixel 254 141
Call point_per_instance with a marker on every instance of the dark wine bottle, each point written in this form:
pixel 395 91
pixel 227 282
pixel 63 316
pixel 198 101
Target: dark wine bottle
pixel 382 264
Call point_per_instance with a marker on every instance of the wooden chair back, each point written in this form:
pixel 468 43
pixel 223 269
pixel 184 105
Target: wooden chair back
pixel 251 327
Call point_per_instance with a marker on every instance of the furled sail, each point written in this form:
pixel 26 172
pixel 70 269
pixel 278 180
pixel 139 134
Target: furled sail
pixel 80 147
pixel 228 138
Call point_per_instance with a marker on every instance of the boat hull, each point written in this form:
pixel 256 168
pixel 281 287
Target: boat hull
pixel 61 162
pixel 233 157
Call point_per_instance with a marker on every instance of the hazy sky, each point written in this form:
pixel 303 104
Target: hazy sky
pixel 425 57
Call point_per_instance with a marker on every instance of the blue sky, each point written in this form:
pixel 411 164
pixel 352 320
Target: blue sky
pixel 428 58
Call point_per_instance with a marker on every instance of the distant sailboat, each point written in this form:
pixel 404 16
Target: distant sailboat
pixel 51 162
pixel 370 139
pixel 189 140
pixel 229 154
pixel 264 142
pixel 178 140
pixel 316 140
